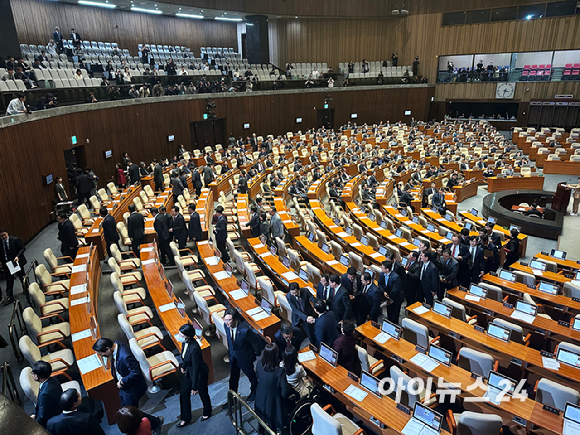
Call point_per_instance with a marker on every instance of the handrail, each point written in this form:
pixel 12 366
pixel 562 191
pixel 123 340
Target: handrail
pixel 9 388
pixel 16 329
pixel 243 417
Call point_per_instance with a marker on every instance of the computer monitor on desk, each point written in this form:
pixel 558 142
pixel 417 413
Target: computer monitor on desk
pixel 424 420
pixel 370 383
pixel 328 354
pixel 571 419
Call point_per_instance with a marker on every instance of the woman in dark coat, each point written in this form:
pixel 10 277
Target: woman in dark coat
pixel 345 345
pixel 195 373
pixel 272 389
pixel 512 249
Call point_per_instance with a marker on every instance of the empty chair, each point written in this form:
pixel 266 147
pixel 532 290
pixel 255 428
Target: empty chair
pixel 476 362
pixel 61 360
pixel 45 335
pixel 154 367
pixel 517 333
pixel 207 312
pixel 48 287
pixel 268 290
pixel 571 290
pixel 356 261
pixel 146 338
pixel 135 316
pixel 458 311
pixel 130 278
pixel 525 278
pixel 55 307
pixel 474 423
pixel 369 363
pixel 407 387
pixel 331 424
pixel 336 249
pixel 415 333
pixel 555 395
pixel 52 260
pixel 493 292
pixel 85 215
pixel 285 308
pixel 129 263
pixel 194 275
pixel 131 295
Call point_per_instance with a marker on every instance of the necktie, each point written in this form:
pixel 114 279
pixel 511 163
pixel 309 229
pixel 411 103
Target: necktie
pixel 301 304
pixel 423 270
pixel 473 254
pixel 6 250
pixel 233 333
pixel 408 265
pixel 455 250
pixel 287 342
pixel 114 367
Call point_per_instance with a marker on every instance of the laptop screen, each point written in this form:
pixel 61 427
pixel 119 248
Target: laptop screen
pixel 534 264
pixel 568 357
pixel 515 227
pixel 383 225
pixel 576 324
pixel 364 240
pixel 427 416
pixel 508 276
pixel 328 354
pixel 499 332
pixel 391 329
pixel 491 219
pixel 372 216
pixel 440 354
pixel 572 412
pixel 336 222
pixel 398 233
pixel 431 228
pixel 273 249
pixel 449 235
pixel 344 260
pixel 245 286
pixel 416 219
pixel 476 290
pixel 558 254
pixel 348 231
pixel 442 309
pixel 326 248
pixel 266 306
pixel 370 383
pixel 404 213
pixel 383 250
pixel 474 212
pixel 468 225
pixel 501 382
pixel 524 307
pixel 303 275
pixel 286 261
pixel 416 242
pixel 311 237
pixel 404 261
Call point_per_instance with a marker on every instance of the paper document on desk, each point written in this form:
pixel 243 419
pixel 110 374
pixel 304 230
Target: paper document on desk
pixel 212 261
pixel 420 310
pixel 149 219
pixel 290 276
pixel 518 315
pixel 80 335
pixel 376 255
pixel 80 268
pixel 237 294
pixel 356 393
pixel 424 362
pixel 570 427
pixel 89 364
pixel 146 262
pixel 221 275
pixel 537 272
pixel 266 254
pixel 254 311
pixel 331 262
pixel 260 316
pixel 342 234
pixel 550 363
pixel 306 356
pixel 77 289
pixel 355 244
pixel 80 301
pixel 148 249
pixel 205 242
pixel 167 307
pixel 472 298
pixel 382 338
pixel 424 231
pixel 258 246
pixel 413 427
pixel 391 237
pixel 444 240
pixel 83 255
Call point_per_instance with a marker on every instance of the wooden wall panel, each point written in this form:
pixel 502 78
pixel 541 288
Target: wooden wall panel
pixel 524 91
pixel 341 40
pixel 35 21
pixel 35 148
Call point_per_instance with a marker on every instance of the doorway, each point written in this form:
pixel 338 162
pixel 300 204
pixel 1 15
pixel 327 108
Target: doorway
pixel 75 160
pixel 244 47
pixel 325 118
pixel 207 133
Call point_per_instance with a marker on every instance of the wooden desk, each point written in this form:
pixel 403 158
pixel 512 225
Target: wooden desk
pixel 266 327
pixel 222 183
pixel 325 262
pixel 439 220
pixel 171 319
pixel 292 228
pixel 255 185
pixel 99 383
pixel 524 209
pixel 384 408
pixel 495 184
pixel 542 276
pixel 419 229
pixel 165 199
pixel 384 191
pixel 510 353
pixel 205 210
pixel 563 264
pixel 242 209
pixel 559 167
pixel 528 409
pixel 466 191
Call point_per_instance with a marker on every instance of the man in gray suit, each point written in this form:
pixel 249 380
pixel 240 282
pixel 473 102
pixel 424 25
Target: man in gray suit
pixel 207 175
pixel 276 225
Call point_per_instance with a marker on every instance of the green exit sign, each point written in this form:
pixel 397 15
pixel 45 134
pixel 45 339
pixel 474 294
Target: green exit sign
pixel 326 106
pixel 205 116
pixel 74 140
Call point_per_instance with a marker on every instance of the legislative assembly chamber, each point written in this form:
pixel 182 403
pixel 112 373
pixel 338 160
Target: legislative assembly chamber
pixel 289 217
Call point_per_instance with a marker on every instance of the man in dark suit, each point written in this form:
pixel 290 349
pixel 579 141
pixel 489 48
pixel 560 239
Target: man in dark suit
pixel 134 172
pixel 163 235
pixel 255 222
pixel 351 281
pixel 84 186
pixel 288 336
pixel 207 175
pixel 177 186
pixel 390 286
pixel 429 191
pixel 72 421
pixel 323 290
pixel 178 228
pixel 340 299
pixel 58 39
pixel 325 328
pixel 475 262
pixel 429 277
pixel 410 279
pixel 125 370
pixel 48 401
pixel 11 250
pixel 243 346
pixel 254 143
pixel 448 277
pixel 460 252
pixel 438 201
pixel 495 237
pixel 109 229
pixel 135 229
pixel 221 233
pixel 194 231
pixel 158 176
pixel 69 243
pixel 75 37
pixel 196 182
pixel 303 316
pixel 370 300
pixel 406 198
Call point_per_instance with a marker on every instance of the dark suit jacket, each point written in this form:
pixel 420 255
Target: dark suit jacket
pixel 129 371
pixel 136 225
pixel 347 353
pixel 478 263
pixel 15 249
pixel 463 252
pixel 449 272
pixel 177 187
pixel 73 423
pixel 179 228
pixel 430 281
pixel 320 290
pixel 194 231
pixel 341 304
pixel 406 198
pixel 349 285
pixel 246 345
pixel 372 299
pixel 254 225
pixel 196 180
pixel 84 183
pixel 110 229
pixel 48 403
pixel 221 229
pixel 161 227
pixel 295 341
pixel 325 329
pixel 438 200
pixel 68 238
pixel 158 174
pixel 195 367
pixel 299 315
pixel 134 173
pixel 207 175
pixel 393 286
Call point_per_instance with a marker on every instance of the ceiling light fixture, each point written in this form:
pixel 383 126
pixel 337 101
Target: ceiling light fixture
pixel 227 19
pixel 147 11
pixel 100 5
pixel 199 17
